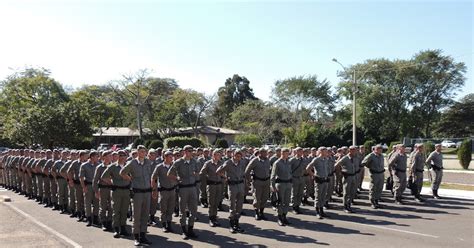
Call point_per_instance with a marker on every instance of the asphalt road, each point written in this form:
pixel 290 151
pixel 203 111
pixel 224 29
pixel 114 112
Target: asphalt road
pixel 437 223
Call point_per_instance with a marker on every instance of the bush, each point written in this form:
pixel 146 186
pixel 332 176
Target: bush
pixel 429 147
pixel 249 139
pixel 368 146
pixel 155 144
pixel 391 145
pixel 147 143
pixel 181 141
pixel 222 143
pixel 137 142
pixel 464 153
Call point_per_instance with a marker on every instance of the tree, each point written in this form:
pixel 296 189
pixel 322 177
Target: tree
pixel 304 93
pixel 249 140
pixel 234 93
pixel 458 120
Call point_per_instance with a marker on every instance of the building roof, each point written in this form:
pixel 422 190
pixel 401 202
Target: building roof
pixel 207 130
pixel 120 131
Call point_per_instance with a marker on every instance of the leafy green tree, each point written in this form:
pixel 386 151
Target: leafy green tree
pixel 458 120
pixel 249 140
pixel 221 143
pixel 465 153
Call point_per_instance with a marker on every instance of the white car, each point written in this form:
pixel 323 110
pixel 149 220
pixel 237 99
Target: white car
pixel 448 144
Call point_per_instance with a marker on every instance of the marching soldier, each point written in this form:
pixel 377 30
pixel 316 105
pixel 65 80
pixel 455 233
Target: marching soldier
pixel 40 176
pixel 203 187
pixel 184 171
pixel 348 171
pixel 259 169
pixel 120 194
pixel 86 176
pixel 321 178
pixel 375 163
pixel 103 190
pixel 152 156
pixel 61 181
pixel 234 171
pixel 360 177
pixel 214 185
pixel 435 163
pixel 398 163
pixel 281 183
pixel 164 190
pixel 332 178
pixel 298 168
pixel 417 165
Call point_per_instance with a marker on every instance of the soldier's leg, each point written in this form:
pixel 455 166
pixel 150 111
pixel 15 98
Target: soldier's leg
pixel 40 186
pixel 294 192
pixel 153 207
pixel 346 191
pixel 256 192
pixel 287 198
pixel 72 199
pixel 380 179
pixel 361 177
pixel 192 205
pixel 198 191
pixel 164 205
pixel 330 189
pixel 61 192
pixel 240 197
pixel 88 198
pixel 116 206
pixel 403 183
pixel 354 187
pixel 396 185
pixel 171 205
pixel 124 204
pixel 233 201
pixel 54 191
pixel 102 206
pixel 138 199
pixel 203 189
pixel 95 204
pixel 264 195
pixel 183 202
pixel 339 183
pixel 145 210
pixel 419 181
pixel 212 199
pixel 324 190
pixel 437 177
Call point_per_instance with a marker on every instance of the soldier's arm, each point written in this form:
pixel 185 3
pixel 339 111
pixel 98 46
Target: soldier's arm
pixel 126 171
pixel 105 177
pixel 221 170
pixel 172 172
pixel 250 167
pixel 273 175
pixel 82 177
pixel 203 171
pixel 154 177
pixel 367 161
pixel 309 167
pixel 96 179
pixel 392 161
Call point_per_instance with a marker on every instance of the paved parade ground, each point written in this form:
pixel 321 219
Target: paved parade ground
pixel 448 222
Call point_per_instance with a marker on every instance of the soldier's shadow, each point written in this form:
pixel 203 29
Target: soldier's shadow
pixel 359 219
pixel 324 227
pixel 209 237
pixel 162 241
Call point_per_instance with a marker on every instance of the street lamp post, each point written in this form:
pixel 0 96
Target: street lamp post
pixel 354 89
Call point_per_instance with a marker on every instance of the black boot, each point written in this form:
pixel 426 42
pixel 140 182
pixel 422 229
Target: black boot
pixel 96 220
pixel 144 240
pixel 321 212
pixel 280 220
pixel 117 232
pixel 220 207
pixel 285 220
pixel 237 227
pixel 89 221
pixel 104 226
pixel 232 228
pixel 164 227
pixel 373 204
pixel 123 231
pixel 73 214
pixel 398 201
pixel 212 221
pixel 326 205
pixel 185 232
pixel 377 204
pixel 262 216
pixel 56 207
pixel 176 212
pixel 191 233
pixel 435 194
pixel 168 227
pixel 136 237
pixel 257 215
pixel 80 216
pixel 63 209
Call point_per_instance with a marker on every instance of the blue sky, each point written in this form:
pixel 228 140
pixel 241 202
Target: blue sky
pixel 201 43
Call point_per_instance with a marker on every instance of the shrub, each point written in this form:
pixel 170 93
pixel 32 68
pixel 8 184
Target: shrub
pixel 137 142
pixel 249 139
pixel 391 146
pixel 429 147
pixel 180 141
pixel 368 146
pixel 464 153
pixel 155 144
pixel 222 143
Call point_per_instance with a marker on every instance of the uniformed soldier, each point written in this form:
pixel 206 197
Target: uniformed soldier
pixel 435 163
pixel 348 171
pixel 417 165
pixel 27 175
pixel 47 177
pixel 152 156
pixel 281 183
pixel 74 176
pixel 214 185
pixel 138 172
pixel 120 194
pixel 61 181
pixel 298 169
pixel 341 152
pixel 103 191
pixel 318 169
pixel 164 191
pixel 203 186
pixel 40 176
pixel 375 163
pixel 332 177
pixel 70 184
pixel 360 178
pixel 259 168
pixel 398 163
pixel 309 182
pixel 234 172
pixel 86 176
pixel 184 171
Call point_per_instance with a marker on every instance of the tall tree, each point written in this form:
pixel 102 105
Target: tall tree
pixel 458 120
pixel 233 94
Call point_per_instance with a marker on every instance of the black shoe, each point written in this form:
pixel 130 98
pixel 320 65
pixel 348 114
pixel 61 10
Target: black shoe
pixel 212 221
pixel 80 216
pixel 220 207
pixel 318 214
pixel 185 233
pixel 164 227
pixel 285 220
pixel 123 231
pixel 104 226
pixel 152 220
pixel 144 240
pixel 377 204
pixel 96 220
pixel 117 232
pixel 136 237
pixel 262 216
pixel 348 209
pixel 280 221
pixel 322 213
pixel 296 210
pixel 232 227
pixel 191 233
pixel 326 206
pixel 89 221
pixel 168 226
pixel 237 227
pixel 73 215
pixel 257 215
pixel 56 207
pixel 435 194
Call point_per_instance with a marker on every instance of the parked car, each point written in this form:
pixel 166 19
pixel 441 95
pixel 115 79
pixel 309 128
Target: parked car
pixel 2 149
pixel 448 144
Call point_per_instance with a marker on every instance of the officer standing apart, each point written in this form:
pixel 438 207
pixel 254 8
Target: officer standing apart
pixel 185 171
pixel 138 172
pixel 281 183
pixel 417 165
pixel 435 163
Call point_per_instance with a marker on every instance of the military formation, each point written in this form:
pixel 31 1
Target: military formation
pixel 106 188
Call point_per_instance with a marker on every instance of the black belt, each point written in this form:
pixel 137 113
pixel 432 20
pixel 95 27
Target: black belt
pixel 115 187
pixel 166 189
pixel 331 174
pixel 345 174
pixel 76 181
pixel 104 186
pixel 436 168
pixel 260 179
pixel 198 181
pixel 278 180
pixel 211 182
pixel 321 179
pixel 135 190
pixel 357 172
pixel 44 176
pixel 187 185
pixel 230 182
pixel 420 170
pixel 400 170
pixel 51 176
pixel 377 172
pixel 87 183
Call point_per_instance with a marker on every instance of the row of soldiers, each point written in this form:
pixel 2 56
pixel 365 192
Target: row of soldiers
pixel 99 188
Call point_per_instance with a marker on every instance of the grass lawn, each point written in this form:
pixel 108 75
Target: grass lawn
pixel 451 186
